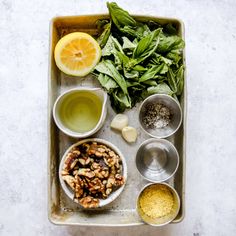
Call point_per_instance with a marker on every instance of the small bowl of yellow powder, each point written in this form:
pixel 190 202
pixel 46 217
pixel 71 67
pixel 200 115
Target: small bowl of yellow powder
pixel 158 204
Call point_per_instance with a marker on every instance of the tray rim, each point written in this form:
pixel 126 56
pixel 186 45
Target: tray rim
pixel 105 15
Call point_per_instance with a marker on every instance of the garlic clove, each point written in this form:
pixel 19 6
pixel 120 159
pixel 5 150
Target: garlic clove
pixel 119 122
pixel 129 134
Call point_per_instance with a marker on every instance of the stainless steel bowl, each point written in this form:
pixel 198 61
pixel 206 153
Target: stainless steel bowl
pixel 166 219
pixel 157 160
pixel 175 113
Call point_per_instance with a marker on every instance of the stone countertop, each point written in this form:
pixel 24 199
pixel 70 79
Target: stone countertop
pixel 211 125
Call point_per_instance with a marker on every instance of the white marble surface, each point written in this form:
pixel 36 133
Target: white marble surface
pixel 211 163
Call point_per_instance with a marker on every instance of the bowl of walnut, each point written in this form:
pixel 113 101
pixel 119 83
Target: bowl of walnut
pixel 93 173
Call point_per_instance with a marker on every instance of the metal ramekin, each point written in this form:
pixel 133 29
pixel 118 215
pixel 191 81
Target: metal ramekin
pixel 175 111
pixel 163 220
pixel 157 160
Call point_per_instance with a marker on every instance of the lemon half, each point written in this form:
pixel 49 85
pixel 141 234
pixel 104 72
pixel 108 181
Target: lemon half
pixel 77 54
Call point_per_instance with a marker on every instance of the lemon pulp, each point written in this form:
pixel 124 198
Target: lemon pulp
pixel 77 53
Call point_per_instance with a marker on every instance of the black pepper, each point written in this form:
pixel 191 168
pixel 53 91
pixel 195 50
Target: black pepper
pixel 156 116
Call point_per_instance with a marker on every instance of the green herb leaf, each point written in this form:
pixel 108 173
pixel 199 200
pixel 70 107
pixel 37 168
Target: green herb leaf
pixel 146 46
pixel 150 82
pixel 111 46
pixel 121 18
pixel 142 31
pixel 162 88
pixel 134 84
pixel 102 39
pixel 127 44
pixel 140 68
pixel 171 80
pixel 158 59
pixel 170 29
pixel 174 56
pixel 124 59
pixel 120 101
pixel 107 82
pixel 169 43
pixel 107 67
pixel 150 73
pixel 133 74
pixel 117 45
pixel 160 78
pixel 180 80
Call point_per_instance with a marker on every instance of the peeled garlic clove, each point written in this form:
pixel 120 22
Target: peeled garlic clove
pixel 129 134
pixel 119 122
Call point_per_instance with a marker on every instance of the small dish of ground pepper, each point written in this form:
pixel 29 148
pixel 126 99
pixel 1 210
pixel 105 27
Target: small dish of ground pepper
pixel 160 115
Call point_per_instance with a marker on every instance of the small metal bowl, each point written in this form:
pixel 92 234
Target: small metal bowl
pixel 175 113
pixel 166 219
pixel 157 160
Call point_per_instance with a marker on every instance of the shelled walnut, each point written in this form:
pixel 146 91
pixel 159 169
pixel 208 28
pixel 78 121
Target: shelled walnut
pixel 89 202
pixel 93 171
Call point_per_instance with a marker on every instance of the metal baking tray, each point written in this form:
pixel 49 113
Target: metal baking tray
pixel 122 212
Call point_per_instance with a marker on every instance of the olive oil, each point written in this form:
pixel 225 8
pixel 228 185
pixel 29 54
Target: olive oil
pixel 80 111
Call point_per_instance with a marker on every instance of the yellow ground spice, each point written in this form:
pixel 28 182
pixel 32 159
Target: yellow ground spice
pixel 157 201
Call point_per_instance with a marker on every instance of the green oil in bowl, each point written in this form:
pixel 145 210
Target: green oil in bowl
pixel 80 111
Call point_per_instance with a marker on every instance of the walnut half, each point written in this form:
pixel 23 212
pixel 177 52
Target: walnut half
pixel 89 202
pixel 85 172
pixel 70 180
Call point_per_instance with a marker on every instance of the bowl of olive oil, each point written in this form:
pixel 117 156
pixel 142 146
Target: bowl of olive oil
pixel 80 112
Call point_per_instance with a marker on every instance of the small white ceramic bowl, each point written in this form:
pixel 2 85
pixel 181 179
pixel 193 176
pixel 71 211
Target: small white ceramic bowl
pixel 100 94
pixel 102 202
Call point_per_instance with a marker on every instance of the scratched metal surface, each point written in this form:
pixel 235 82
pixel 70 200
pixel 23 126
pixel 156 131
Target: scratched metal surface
pixel 122 211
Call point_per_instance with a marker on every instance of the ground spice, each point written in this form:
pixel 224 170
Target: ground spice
pixel 156 116
pixel 156 201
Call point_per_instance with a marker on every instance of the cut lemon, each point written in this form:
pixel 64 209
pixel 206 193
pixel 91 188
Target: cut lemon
pixel 77 54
